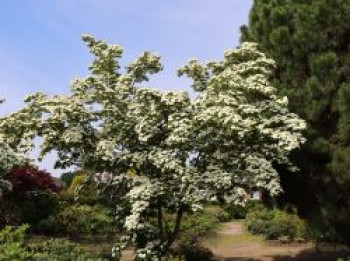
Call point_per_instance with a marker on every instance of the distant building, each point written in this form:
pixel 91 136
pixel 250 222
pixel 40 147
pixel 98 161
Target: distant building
pixel 254 194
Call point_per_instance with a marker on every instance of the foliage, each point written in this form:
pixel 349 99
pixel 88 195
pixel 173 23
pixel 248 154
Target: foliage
pixel 32 198
pixel 195 252
pixel 12 244
pixel 83 189
pixel 216 211
pixel 27 208
pixel 36 206
pixel 198 224
pixel 68 177
pixel 9 158
pixel 76 183
pixel 239 211
pixel 236 211
pixel 193 228
pixel 258 222
pixel 182 152
pixel 13 247
pixel 60 250
pixel 29 179
pixel 313 70
pixel 47 226
pixel 84 219
pixel 275 224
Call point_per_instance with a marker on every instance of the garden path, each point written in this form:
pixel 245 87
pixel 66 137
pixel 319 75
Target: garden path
pixel 233 243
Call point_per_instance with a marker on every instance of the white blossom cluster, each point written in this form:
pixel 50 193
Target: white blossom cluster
pixel 165 151
pixel 9 158
pixel 241 125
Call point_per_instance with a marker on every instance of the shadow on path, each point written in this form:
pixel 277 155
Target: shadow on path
pixel 306 255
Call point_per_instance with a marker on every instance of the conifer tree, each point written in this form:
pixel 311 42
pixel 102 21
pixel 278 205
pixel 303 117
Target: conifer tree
pixel 310 41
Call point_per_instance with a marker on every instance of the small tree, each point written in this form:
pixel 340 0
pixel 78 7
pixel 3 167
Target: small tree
pixel 29 179
pixel 182 152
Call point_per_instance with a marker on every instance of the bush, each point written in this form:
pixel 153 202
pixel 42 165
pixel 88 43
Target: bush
pixel 60 249
pixel 24 179
pixel 240 212
pixel 284 224
pixel 12 244
pixel 36 206
pixel 47 226
pixel 195 252
pixel 253 205
pixel 12 247
pixel 10 213
pixel 29 208
pixel 32 199
pixel 85 219
pixel 199 224
pixel 68 177
pixel 236 211
pixel 83 189
pixel 259 221
pixel 195 226
pixel 76 183
pixel 275 224
pixel 219 213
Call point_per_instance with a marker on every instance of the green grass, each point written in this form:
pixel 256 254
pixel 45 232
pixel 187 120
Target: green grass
pixel 94 246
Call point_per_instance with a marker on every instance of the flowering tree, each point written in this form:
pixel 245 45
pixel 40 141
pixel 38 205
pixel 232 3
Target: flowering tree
pixel 9 157
pixel 182 152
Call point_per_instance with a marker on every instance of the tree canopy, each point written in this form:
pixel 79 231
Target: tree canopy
pixel 182 151
pixel 9 158
pixel 30 179
pixel 310 42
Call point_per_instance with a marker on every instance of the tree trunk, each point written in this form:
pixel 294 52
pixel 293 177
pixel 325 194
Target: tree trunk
pixel 160 221
pixel 176 230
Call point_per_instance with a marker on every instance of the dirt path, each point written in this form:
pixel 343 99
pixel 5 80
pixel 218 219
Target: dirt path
pixel 232 228
pixel 127 255
pixel 233 243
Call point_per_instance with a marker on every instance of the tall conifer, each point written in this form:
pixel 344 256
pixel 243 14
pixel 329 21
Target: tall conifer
pixel 310 41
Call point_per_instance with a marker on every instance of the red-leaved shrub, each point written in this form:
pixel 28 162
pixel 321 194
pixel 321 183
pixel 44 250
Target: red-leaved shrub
pixel 24 179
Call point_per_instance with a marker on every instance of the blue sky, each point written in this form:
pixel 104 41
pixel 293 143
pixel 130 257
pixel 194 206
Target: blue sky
pixel 41 50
